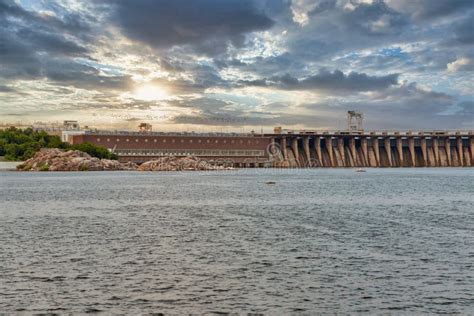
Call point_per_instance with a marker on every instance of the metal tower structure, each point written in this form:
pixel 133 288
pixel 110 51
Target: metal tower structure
pixel 354 121
pixel 145 127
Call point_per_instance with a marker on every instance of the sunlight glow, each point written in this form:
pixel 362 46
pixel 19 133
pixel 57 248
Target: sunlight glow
pixel 150 93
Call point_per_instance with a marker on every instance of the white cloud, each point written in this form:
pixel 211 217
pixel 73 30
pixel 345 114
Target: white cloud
pixel 460 64
pixel 300 10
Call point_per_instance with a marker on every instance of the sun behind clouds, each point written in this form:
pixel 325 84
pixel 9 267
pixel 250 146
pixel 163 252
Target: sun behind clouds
pixel 149 92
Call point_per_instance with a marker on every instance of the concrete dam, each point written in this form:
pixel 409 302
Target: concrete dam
pixel 372 149
pixel 294 149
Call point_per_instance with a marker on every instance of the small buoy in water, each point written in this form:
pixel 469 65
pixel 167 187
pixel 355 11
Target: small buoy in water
pixel 270 182
pixel 360 170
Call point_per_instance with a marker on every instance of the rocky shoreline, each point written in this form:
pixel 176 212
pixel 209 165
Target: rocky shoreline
pixel 53 159
pixel 177 164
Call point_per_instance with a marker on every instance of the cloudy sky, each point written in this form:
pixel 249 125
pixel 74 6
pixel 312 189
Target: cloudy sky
pixel 208 65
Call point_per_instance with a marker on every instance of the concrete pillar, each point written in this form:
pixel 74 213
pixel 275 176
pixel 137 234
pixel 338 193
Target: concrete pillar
pixel 411 147
pixel 423 150
pixel 352 145
pixel 306 150
pixel 467 156
pixel 317 144
pixel 284 149
pixel 365 152
pixel 375 146
pixel 388 150
pixel 329 148
pixel 459 147
pixel 447 146
pixel 471 145
pixel 340 145
pixel 294 147
pixel 436 152
pixel 272 154
pixel 400 150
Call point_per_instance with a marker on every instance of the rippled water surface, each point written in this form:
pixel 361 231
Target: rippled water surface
pixel 384 241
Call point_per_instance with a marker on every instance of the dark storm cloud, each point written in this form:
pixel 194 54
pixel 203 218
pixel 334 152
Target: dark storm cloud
pixel 323 6
pixel 29 40
pixel 6 89
pixel 335 81
pixel 269 66
pixel 429 9
pixel 171 66
pixel 374 19
pixel 50 42
pixel 62 22
pixel 464 31
pixel 333 29
pixel 207 25
pixel 467 109
pixel 37 46
pixel 84 77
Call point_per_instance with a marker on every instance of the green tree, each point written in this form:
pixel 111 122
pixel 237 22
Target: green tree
pixel 17 144
pixel 94 150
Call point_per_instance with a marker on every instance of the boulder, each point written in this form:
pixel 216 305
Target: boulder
pixel 53 159
pixel 177 164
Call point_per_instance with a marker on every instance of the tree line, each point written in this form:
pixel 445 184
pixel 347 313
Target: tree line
pixel 22 144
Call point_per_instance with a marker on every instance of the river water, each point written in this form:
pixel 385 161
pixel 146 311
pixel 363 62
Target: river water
pixel 316 241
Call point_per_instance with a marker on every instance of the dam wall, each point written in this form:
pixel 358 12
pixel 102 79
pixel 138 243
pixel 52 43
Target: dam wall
pixel 312 150
pixel 296 149
pixel 236 150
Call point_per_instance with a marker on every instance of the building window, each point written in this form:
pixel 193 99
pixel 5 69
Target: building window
pixel 108 139
pixel 127 140
pixel 172 140
pixel 154 140
pixel 118 140
pixel 136 140
pixel 208 141
pixel 190 140
pixel 199 141
pixel 233 141
pixel 217 141
pixel 164 140
pixel 225 141
pixel 241 141
pixel 182 140
pixel 146 140
pixel 249 141
pixel 98 139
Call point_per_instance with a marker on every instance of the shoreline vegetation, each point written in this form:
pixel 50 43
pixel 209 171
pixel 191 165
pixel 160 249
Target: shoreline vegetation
pixel 39 151
pixel 22 144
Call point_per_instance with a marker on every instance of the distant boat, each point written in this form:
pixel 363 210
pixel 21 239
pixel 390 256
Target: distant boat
pixel 270 182
pixel 360 170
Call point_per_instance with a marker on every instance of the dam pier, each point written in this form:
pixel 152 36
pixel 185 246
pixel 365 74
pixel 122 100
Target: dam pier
pixel 313 149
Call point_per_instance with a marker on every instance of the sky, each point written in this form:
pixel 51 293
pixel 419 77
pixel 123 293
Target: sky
pixel 237 65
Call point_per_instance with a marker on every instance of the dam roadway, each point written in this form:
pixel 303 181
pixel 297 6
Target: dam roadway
pixel 295 149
